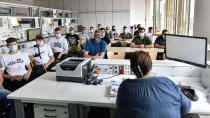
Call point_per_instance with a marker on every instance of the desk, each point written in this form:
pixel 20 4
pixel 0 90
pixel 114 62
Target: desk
pixel 129 50
pixel 46 90
pixel 128 41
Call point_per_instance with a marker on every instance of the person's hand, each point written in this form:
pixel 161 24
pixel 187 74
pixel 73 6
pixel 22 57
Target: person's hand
pixel 78 46
pixel 17 77
pixel 59 56
pixel 141 46
pixel 45 66
pixel 26 76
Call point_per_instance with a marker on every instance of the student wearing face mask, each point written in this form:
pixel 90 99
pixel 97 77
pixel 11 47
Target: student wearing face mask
pixel 74 43
pixel 141 41
pixel 42 57
pixel 109 33
pixel 160 42
pixel 95 49
pixel 84 37
pixel 114 31
pixel 99 26
pixel 91 33
pixel 105 37
pixel 150 34
pixel 15 66
pixel 59 45
pixel 125 34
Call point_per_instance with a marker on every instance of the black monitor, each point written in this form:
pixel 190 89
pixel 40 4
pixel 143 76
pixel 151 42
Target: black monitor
pixel 187 49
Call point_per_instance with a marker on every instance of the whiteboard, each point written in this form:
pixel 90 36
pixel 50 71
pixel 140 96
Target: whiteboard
pixel 187 49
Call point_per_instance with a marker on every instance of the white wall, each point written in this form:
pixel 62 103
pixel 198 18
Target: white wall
pixel 137 12
pixel 93 12
pixel 202 18
pixel 26 2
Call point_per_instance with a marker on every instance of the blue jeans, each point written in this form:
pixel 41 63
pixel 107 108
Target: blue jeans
pixel 3 98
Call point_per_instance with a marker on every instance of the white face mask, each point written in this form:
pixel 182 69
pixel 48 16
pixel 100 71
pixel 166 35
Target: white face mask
pixel 126 31
pixel 141 34
pixel 91 31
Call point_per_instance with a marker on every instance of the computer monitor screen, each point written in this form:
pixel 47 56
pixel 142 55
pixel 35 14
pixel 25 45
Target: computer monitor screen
pixel 187 49
pixel 31 33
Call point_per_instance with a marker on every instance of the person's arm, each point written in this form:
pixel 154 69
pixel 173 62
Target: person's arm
pixel 65 50
pixel 52 59
pixel 159 46
pixel 1 79
pixel 133 44
pixel 98 56
pixel 149 46
pixel 109 45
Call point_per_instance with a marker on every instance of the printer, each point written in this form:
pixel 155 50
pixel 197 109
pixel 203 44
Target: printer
pixel 73 69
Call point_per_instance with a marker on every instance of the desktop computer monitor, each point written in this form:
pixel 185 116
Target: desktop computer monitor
pixel 187 49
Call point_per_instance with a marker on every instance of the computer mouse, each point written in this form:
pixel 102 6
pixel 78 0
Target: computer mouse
pixel 190 93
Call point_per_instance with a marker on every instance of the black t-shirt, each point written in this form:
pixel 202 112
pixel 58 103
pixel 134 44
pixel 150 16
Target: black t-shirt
pixel 106 39
pixel 72 39
pixel 136 33
pixel 160 41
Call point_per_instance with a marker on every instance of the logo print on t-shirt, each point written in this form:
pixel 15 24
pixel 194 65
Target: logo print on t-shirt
pixel 72 40
pixel 57 44
pixel 15 62
pixel 19 60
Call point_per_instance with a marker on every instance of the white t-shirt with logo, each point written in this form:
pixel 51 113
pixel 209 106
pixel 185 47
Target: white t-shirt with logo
pixel 58 45
pixel 84 37
pixel 15 64
pixel 45 53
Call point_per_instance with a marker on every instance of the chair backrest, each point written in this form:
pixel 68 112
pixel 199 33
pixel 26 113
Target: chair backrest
pixel 116 55
pixel 152 54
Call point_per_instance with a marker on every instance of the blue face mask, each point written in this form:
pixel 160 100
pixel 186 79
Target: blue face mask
pixel 39 43
pixel 13 48
pixel 58 35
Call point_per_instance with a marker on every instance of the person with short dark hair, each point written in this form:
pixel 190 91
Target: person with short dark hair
pixel 136 33
pixel 108 32
pixel 160 42
pixel 59 45
pixel 125 34
pixel 15 66
pixel 95 49
pixel 114 31
pixel 91 33
pixel 42 57
pixel 84 38
pixel 99 26
pixel 105 37
pixel 74 43
pixel 141 41
pixel 149 96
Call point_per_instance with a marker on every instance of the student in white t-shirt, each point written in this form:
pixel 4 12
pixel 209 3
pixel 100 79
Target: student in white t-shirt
pixel 42 56
pixel 84 38
pixel 17 66
pixel 59 45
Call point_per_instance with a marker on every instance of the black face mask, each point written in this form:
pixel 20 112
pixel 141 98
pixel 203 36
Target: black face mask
pixel 97 38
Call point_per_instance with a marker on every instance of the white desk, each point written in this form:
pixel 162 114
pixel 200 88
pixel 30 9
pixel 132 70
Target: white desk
pixel 129 50
pixel 46 90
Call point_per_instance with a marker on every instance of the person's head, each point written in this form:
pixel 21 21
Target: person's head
pixel 141 32
pixel 125 30
pixel 164 32
pixel 103 33
pixel 131 27
pixel 107 29
pixel 97 36
pixel 150 29
pixel 91 29
pixel 12 44
pixel 99 26
pixel 141 63
pixel 83 30
pixel 139 25
pixel 113 28
pixel 58 32
pixel 39 40
pixel 71 30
